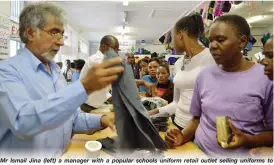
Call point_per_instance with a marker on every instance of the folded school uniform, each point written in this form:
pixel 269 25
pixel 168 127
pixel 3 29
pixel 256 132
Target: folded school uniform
pixel 134 128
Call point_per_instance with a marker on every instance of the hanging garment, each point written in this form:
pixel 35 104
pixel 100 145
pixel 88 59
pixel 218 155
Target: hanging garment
pixel 210 10
pixel 250 43
pixel 218 9
pixel 265 38
pixel 134 128
pixel 237 2
pixel 226 6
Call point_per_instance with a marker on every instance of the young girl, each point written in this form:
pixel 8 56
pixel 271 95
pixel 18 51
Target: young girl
pixel 164 85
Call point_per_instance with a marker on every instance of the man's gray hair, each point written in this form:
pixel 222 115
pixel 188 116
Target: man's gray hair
pixel 36 16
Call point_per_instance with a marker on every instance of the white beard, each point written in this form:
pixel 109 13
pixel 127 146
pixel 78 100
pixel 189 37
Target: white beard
pixel 48 56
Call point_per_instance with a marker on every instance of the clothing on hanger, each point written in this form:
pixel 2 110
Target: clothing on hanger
pixel 210 10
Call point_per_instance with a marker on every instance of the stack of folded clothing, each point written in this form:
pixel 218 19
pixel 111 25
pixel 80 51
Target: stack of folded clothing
pixel 151 103
pixel 160 121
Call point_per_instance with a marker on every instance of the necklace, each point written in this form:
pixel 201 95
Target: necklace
pixel 188 59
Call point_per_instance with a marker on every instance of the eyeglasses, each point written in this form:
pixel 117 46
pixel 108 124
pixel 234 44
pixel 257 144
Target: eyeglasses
pixel 56 36
pixel 116 49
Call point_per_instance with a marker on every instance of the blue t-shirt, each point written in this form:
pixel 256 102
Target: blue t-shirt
pixel 75 76
pixel 150 80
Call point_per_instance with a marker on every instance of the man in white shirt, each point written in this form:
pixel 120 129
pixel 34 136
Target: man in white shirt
pixel 97 99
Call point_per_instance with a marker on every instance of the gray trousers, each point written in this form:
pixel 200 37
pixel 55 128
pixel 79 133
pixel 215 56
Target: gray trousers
pixel 134 128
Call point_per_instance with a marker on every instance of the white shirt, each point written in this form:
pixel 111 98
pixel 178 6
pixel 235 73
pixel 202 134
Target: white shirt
pixel 184 85
pixel 97 98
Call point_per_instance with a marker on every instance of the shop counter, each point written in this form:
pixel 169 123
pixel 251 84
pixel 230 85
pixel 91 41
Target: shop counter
pixel 77 149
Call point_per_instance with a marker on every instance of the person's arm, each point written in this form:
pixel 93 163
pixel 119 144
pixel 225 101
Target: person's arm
pixel 189 131
pixel 142 88
pixel 86 123
pixel 170 108
pixel 263 139
pixel 196 111
pixel 27 117
pixel 139 82
pixel 241 139
pixel 150 88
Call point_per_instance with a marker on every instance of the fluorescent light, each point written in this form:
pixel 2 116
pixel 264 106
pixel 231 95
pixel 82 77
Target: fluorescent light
pixel 125 37
pixel 152 13
pixel 250 26
pixel 255 19
pixel 124 30
pixel 121 37
pixel 125 2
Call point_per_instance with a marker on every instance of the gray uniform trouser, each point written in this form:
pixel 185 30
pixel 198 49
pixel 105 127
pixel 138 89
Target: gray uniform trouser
pixel 134 127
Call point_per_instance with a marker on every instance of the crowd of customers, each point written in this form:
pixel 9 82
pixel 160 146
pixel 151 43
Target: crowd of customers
pixel 208 83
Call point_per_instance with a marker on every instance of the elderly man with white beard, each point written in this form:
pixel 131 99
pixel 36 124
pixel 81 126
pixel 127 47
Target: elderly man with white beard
pixel 39 113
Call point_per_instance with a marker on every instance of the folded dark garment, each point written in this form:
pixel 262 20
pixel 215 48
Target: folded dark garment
pixel 161 125
pixel 160 117
pixel 134 128
pixel 149 105
pixel 162 129
pixel 160 121
pixel 110 145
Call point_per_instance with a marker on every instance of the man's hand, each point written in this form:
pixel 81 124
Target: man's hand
pixel 173 138
pixel 239 139
pixel 101 75
pixel 108 121
pixel 152 89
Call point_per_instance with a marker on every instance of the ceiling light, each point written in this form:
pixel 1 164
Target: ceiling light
pixel 152 13
pixel 250 26
pixel 124 30
pixel 122 37
pixel 125 2
pixel 125 37
pixel 255 19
